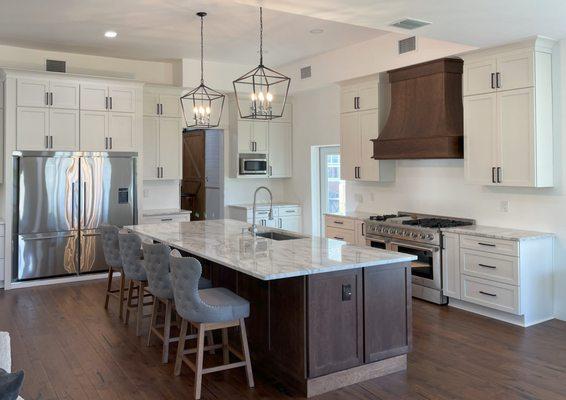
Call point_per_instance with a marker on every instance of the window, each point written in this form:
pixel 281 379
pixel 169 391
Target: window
pixel 332 188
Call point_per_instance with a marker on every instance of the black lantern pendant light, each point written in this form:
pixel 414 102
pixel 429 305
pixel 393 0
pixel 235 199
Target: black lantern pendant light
pixel 262 92
pixel 202 106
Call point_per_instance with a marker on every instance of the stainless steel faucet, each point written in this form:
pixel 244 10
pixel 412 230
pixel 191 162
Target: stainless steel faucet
pixel 253 228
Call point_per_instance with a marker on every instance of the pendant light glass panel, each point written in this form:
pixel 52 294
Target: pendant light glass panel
pixel 202 107
pixel 262 92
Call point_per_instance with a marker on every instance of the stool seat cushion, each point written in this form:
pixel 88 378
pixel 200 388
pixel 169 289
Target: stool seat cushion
pixel 226 305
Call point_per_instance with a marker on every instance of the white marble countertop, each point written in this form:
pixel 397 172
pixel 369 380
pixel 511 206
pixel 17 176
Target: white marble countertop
pixel 164 211
pixel 352 214
pixel 250 206
pixel 223 242
pixel 495 232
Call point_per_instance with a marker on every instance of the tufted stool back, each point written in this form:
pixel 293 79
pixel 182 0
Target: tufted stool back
pixel 110 245
pixel 156 262
pixel 131 254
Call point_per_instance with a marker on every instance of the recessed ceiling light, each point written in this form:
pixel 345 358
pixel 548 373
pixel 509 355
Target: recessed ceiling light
pixel 110 34
pixel 316 31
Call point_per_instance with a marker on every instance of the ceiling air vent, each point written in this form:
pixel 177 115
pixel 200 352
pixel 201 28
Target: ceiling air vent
pixel 410 24
pixel 55 66
pixel 407 45
pixel 306 72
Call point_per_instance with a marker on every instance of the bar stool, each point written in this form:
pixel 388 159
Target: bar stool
pixel 156 263
pixel 111 250
pixel 133 265
pixel 207 310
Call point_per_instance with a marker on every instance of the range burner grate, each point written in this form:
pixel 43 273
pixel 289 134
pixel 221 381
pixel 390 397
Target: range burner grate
pixel 436 222
pixel 382 217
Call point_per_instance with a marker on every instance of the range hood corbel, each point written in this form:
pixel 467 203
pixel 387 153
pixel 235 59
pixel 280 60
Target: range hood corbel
pixel 426 117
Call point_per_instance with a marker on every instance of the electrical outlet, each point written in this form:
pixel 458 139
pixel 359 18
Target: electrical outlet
pixel 504 206
pixel 145 193
pixel 359 197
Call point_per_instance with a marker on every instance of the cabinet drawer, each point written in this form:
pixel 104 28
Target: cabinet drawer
pixel 491 294
pixel 508 247
pixel 167 218
pixel 341 234
pixel 338 222
pixel 287 211
pixel 504 269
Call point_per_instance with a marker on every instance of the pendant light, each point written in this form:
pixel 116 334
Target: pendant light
pixel 202 106
pixel 262 92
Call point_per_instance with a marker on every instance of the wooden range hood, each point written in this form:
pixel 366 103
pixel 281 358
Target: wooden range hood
pixel 426 117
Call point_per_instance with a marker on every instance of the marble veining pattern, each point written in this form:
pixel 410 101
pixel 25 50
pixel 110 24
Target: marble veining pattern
pixel 165 211
pixel 360 215
pixel 223 242
pixel 495 232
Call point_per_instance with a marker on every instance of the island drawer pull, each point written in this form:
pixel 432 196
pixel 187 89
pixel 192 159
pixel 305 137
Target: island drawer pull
pixel 486 244
pixel 488 294
pixel 487 266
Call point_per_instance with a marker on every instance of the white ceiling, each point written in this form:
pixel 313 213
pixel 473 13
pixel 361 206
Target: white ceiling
pixel 169 29
pixel 472 22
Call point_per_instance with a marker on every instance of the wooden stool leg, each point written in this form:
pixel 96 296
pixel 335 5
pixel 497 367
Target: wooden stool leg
pixel 122 286
pixel 199 361
pixel 225 350
pixel 210 339
pixel 129 301
pixel 167 331
pixel 181 347
pixel 154 311
pixel 108 287
pixel 246 351
pixel 139 317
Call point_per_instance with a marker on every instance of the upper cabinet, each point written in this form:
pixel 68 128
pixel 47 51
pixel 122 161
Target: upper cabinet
pixel 359 123
pixel 61 112
pixel 162 133
pixel 508 115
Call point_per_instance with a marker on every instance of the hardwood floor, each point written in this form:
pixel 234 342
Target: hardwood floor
pixel 71 348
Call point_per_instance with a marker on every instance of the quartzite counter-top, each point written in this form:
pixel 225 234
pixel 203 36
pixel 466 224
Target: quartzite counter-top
pixel 223 242
pixel 165 211
pixel 359 215
pixel 495 232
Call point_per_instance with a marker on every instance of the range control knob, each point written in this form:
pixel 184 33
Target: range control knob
pixel 429 236
pixel 414 235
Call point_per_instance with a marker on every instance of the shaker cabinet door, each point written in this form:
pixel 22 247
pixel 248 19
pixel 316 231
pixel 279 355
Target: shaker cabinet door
pixel 65 94
pixel 516 69
pixel 121 131
pixel 170 133
pixel 261 136
pixel 368 126
pixel 94 97
pixel 32 92
pixel 280 147
pixel 478 77
pixel 244 136
pixel 150 147
pixel 171 105
pixel 64 129
pixel 94 130
pixel 32 128
pixel 122 99
pixel 349 145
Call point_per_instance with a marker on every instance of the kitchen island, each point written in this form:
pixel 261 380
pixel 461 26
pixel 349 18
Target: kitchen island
pixel 324 314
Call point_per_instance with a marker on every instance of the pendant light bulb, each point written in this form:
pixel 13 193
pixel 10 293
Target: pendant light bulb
pixel 260 96
pixel 269 97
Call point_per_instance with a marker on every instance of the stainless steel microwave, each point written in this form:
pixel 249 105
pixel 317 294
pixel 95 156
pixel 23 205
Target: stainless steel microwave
pixel 253 164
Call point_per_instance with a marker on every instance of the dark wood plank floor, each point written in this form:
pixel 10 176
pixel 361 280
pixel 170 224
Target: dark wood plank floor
pixel 71 348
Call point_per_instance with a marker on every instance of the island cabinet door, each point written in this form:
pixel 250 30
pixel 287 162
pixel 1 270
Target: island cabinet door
pixel 387 312
pixel 335 322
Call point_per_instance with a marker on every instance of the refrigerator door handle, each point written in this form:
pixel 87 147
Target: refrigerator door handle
pixel 29 239
pixel 84 205
pixel 73 205
pixel 91 234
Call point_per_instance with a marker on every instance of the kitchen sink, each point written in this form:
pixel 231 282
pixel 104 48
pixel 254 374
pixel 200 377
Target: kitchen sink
pixel 277 236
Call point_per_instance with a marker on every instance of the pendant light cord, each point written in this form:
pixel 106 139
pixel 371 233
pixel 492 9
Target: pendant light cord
pixel 261 36
pixel 201 50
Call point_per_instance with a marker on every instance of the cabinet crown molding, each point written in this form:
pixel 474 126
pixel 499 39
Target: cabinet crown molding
pixel 537 43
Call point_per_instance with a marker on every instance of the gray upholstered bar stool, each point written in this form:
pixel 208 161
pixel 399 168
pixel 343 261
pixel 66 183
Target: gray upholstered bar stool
pixel 207 310
pixel 156 263
pixel 111 250
pixel 133 265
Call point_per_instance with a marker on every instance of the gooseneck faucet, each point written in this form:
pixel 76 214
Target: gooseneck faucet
pixel 253 228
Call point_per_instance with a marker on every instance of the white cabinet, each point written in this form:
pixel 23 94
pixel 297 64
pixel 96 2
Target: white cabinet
pixel 159 104
pixel 57 93
pixel 359 96
pixel 508 126
pixel 357 128
pixel 100 97
pixel 280 150
pixel 161 148
pixel 451 265
pixel 121 99
pixel 348 229
pixel 94 130
pixel 287 217
pixel 121 131
pixel 94 97
pixel 490 276
pixel 360 233
pixel 47 129
pixel 479 76
pixel 64 94
pixel 253 136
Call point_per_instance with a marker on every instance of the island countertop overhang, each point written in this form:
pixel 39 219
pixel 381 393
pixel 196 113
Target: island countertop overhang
pixel 228 243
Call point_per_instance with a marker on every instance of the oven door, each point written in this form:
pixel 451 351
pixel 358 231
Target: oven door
pixel 377 242
pixel 426 269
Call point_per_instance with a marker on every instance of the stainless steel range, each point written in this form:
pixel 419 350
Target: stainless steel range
pixel 420 235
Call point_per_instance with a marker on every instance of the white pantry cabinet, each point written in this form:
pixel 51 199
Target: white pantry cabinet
pixel 56 93
pixel 508 137
pixel 359 123
pixel 47 129
pixel 162 133
pixel 104 97
pixel 280 150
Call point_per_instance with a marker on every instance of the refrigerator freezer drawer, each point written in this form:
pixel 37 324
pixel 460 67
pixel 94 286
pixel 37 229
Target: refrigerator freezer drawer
pixel 92 254
pixel 47 255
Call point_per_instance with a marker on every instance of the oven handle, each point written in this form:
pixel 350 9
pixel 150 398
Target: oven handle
pixel 434 249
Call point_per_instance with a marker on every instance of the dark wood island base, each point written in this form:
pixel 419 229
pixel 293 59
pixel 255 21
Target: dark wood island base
pixel 321 332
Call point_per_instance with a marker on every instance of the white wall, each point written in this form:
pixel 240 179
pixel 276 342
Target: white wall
pixel 437 186
pixel 32 59
pixel 218 76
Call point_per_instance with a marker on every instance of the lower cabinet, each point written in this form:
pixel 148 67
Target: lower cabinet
pixel 344 228
pixel 287 217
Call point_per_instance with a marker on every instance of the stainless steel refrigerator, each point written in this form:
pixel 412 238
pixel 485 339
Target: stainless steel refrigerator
pixel 60 200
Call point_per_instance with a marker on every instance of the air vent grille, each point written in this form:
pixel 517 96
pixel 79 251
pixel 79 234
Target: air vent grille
pixel 407 45
pixel 55 66
pixel 306 72
pixel 410 24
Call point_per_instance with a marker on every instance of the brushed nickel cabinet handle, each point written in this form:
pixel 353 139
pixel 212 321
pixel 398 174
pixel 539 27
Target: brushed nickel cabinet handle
pixel 493 175
pixel 498 174
pixel 493 80
pixel 487 266
pixel 487 293
pixel 486 244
